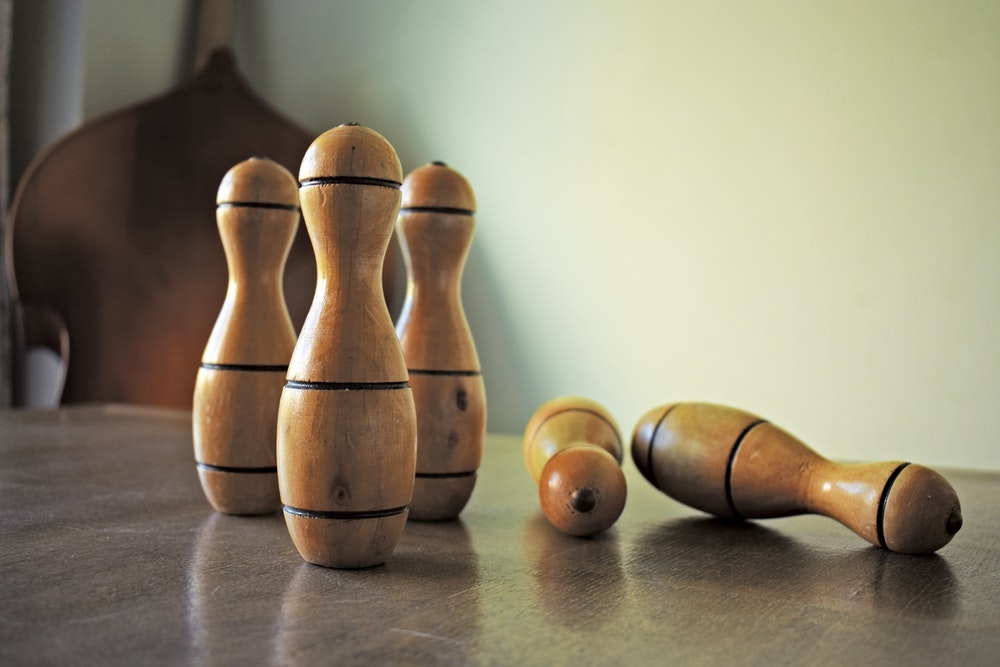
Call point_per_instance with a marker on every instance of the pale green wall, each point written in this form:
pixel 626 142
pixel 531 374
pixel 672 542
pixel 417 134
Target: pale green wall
pixel 793 207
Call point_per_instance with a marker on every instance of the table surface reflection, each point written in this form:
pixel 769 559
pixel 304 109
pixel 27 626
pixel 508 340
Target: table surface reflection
pixel 109 554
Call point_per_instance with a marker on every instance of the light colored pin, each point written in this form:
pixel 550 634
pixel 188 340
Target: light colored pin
pixel 244 364
pixel 435 227
pixel 346 423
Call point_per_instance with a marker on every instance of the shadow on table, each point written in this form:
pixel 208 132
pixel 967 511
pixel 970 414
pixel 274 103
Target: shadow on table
pixel 422 604
pixel 239 568
pixel 579 582
pixel 715 554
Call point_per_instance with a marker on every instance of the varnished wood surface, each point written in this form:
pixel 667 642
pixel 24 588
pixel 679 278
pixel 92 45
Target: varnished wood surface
pixel 245 361
pixel 573 450
pixel 435 227
pixel 110 554
pixel 347 428
pixel 732 463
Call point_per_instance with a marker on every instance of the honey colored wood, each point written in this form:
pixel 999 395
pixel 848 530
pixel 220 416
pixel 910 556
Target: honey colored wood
pixel 348 335
pixel 435 228
pixel 238 386
pixel 111 227
pixel 235 424
pixel 346 457
pixel 346 420
pixel 731 463
pixel 573 449
pixel 451 430
pixel 110 554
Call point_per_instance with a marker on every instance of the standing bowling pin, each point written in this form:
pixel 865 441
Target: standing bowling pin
pixel 346 423
pixel 244 364
pixel 435 229
pixel 573 449
pixel 733 464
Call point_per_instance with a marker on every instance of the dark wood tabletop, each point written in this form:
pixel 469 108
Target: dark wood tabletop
pixel 110 554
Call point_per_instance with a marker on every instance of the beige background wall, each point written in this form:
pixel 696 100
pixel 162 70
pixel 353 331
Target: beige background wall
pixel 793 207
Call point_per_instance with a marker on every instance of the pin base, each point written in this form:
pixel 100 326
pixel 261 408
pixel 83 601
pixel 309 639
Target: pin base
pixel 345 543
pixel 440 498
pixel 241 493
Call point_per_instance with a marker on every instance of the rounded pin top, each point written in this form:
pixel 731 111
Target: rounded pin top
pixel 258 181
pixel 351 151
pixel 642 437
pixel 436 185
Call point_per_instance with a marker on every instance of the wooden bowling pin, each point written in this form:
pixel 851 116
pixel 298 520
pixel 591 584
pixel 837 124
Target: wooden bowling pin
pixel 435 229
pixel 346 422
pixel 733 464
pixel 244 364
pixel 572 448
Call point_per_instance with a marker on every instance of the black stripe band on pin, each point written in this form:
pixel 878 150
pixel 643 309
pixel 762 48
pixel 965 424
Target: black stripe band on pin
pixel 446 210
pixel 418 371
pixel 264 368
pixel 257 204
pixel 347 386
pixel 586 410
pixel 729 464
pixel 445 475
pixel 253 471
pixel 350 180
pixel 883 501
pixel 346 514
pixel 650 473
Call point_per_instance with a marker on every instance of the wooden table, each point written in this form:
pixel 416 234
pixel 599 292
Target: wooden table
pixel 109 554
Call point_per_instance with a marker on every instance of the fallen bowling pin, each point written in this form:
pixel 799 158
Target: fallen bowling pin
pixel 573 449
pixel 731 463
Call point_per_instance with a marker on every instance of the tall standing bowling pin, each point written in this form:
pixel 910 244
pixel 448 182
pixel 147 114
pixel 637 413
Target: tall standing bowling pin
pixel 573 449
pixel 734 464
pixel 346 423
pixel 435 229
pixel 244 364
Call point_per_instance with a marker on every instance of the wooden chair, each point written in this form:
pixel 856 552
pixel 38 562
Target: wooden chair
pixel 112 230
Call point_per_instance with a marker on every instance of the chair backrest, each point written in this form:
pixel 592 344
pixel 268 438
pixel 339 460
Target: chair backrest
pixel 113 227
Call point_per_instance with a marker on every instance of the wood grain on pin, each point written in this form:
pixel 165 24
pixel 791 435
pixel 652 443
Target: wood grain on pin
pixel 734 464
pixel 435 228
pixel 346 422
pixel 243 367
pixel 573 449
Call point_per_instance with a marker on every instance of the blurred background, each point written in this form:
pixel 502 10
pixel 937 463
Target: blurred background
pixel 790 207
